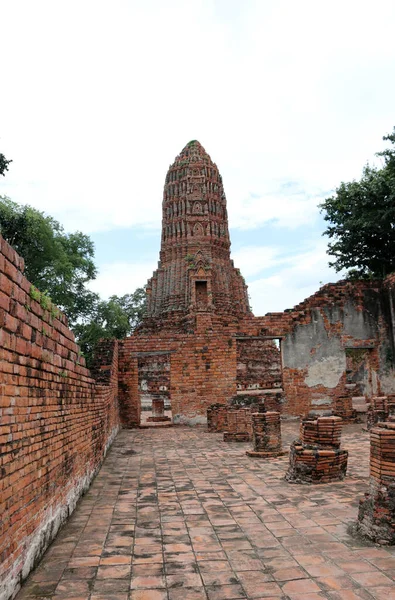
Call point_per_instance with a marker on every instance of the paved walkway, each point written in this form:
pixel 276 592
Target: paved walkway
pixel 177 514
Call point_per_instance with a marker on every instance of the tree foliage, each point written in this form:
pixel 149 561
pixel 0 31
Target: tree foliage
pixel 361 218
pixel 61 265
pixel 115 318
pixel 4 164
pixel 56 262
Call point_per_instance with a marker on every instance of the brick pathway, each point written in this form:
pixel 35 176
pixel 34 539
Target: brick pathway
pixel 177 514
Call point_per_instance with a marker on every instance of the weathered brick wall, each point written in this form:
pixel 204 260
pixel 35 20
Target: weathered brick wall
pixel 337 343
pixel 202 370
pixel 154 378
pixel 376 517
pixel 56 423
pixel 258 365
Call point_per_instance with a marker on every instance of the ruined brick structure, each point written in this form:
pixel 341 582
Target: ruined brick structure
pixel 201 344
pixel 195 272
pixel 195 299
pixel 57 420
pixel 238 425
pixel 376 518
pixel 217 418
pixel 158 411
pixel 381 408
pixel 316 457
pixel 266 434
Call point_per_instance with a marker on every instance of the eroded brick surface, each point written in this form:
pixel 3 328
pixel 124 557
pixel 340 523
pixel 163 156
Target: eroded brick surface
pixel 178 513
pixel 56 420
pixel 316 457
pixel 376 518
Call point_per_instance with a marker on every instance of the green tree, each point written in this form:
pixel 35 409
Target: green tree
pixel 115 318
pixel 362 220
pixel 58 263
pixel 4 164
pixel 61 265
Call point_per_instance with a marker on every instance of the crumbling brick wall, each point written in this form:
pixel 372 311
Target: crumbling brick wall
pixel 258 365
pixel 56 422
pixel 337 343
pixel 154 377
pixel 202 369
pixel 334 345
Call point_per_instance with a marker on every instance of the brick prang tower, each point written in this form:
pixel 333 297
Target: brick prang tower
pixel 195 272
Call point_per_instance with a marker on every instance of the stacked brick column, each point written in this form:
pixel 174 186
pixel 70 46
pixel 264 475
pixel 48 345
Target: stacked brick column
pixel 381 409
pixel 217 418
pixel 316 457
pixel 266 434
pixel 344 409
pixel 239 427
pixel 158 411
pixel 376 518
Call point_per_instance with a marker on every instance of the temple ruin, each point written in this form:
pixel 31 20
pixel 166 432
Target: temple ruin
pixel 201 351
pixel 200 343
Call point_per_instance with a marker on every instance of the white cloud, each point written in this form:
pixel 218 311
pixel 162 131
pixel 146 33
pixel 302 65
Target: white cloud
pixel 251 260
pixel 287 206
pixel 296 278
pixel 296 275
pixel 121 278
pixel 99 96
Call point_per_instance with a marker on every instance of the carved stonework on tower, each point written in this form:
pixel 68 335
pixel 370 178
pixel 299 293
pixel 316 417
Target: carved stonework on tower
pixel 195 272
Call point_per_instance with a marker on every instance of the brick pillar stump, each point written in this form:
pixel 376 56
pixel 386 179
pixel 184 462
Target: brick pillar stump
pixel 345 410
pixel 217 418
pixel 316 457
pixel 377 412
pixel 158 411
pixel 238 426
pixel 376 516
pixel 266 434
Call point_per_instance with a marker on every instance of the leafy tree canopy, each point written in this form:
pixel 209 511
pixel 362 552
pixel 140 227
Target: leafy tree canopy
pixel 55 262
pixel 61 265
pixel 361 217
pixel 116 318
pixel 4 164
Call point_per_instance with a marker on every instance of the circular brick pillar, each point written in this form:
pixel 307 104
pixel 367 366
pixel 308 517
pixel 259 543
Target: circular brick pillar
pixel 266 435
pixel 317 457
pixel 376 516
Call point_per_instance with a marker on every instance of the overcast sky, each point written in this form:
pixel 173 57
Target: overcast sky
pixel 288 97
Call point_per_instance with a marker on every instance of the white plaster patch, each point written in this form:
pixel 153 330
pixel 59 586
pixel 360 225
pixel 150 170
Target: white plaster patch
pixel 326 372
pixel 387 381
pixel 185 420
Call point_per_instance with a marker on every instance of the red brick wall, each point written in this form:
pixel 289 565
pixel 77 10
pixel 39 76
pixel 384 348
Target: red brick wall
pixel 258 364
pixel 56 422
pixel 354 318
pixel 321 340
pixel 202 370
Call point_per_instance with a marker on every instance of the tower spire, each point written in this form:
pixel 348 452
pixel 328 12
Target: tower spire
pixel 195 272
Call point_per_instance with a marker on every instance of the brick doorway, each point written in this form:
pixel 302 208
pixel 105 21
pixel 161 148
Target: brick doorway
pixel 259 368
pixel 153 383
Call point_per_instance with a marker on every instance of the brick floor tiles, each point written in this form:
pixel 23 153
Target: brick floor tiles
pixel 177 514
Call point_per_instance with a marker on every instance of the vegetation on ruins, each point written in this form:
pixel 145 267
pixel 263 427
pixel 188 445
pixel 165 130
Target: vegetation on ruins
pixel 361 217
